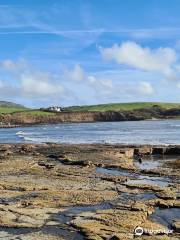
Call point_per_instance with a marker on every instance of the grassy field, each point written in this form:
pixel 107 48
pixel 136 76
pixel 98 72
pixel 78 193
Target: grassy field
pixel 38 113
pixel 99 108
pixel 9 110
pixel 123 106
pixel 6 110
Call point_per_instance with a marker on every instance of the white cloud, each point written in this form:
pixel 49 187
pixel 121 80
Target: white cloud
pixel 101 86
pixel 145 88
pixel 76 74
pixel 1 84
pixel 137 90
pixel 10 65
pixel 30 83
pixel 133 55
pixel 163 61
pixel 39 84
pixel 105 86
pixel 92 80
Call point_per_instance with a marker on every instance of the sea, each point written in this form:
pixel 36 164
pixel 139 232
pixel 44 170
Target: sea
pixel 165 132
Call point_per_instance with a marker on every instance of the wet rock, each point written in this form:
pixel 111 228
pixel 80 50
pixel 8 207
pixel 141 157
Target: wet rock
pixel 71 162
pixel 166 194
pixel 41 188
pixel 174 164
pixel 54 156
pixel 159 150
pixel 127 153
pixel 163 203
pixel 116 179
pixel 172 151
pixel 142 186
pixel 159 237
pixel 114 238
pixel 176 225
pixel 153 228
pixel 27 148
pixel 4 148
pixel 24 217
pixel 139 206
pixel 120 236
pixel 46 165
pixel 6 153
pixel 121 222
pixel 143 151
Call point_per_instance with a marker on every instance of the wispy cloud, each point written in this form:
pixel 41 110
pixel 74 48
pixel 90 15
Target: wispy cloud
pixel 15 17
pixel 133 33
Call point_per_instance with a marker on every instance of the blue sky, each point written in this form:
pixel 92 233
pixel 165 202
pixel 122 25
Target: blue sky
pixel 73 52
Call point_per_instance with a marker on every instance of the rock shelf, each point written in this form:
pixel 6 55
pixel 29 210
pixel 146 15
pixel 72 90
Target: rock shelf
pixel 97 192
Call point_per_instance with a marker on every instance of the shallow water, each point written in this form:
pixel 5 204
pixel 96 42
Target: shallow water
pixel 152 162
pixel 67 215
pixel 113 172
pixel 148 164
pixel 136 132
pixel 166 216
pixel 149 180
pixel 125 197
pixel 140 179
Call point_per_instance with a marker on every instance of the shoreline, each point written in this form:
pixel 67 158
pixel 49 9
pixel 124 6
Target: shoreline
pixel 7 126
pixel 113 145
pixel 83 122
pixel 146 149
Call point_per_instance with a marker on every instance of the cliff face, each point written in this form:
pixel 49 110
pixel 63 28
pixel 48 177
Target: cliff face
pixel 21 118
pixel 141 114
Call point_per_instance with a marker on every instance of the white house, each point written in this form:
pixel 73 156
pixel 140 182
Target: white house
pixel 54 109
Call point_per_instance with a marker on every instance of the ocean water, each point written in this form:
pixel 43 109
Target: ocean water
pixel 136 132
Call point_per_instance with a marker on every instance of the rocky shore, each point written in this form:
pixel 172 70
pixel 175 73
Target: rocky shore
pixel 95 192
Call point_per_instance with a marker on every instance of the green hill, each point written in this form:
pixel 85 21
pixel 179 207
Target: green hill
pixel 10 104
pixel 122 106
pixel 21 116
pixel 10 107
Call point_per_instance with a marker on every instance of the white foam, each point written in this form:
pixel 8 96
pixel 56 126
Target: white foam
pixel 175 125
pixel 20 133
pixel 39 140
pixel 31 139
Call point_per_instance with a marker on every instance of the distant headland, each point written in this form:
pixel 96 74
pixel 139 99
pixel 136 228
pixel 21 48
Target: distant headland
pixel 12 114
